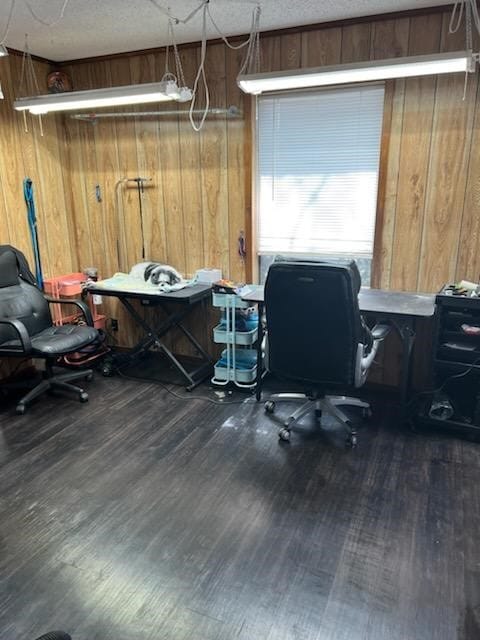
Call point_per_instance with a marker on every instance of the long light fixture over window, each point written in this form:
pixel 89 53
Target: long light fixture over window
pixel 372 70
pixel 108 97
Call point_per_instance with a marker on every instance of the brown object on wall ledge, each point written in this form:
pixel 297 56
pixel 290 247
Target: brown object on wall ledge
pixel 59 82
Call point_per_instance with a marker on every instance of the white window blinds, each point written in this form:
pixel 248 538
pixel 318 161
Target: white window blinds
pixel 317 171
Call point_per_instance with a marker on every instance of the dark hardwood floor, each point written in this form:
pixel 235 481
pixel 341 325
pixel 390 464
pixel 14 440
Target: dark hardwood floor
pixel 139 516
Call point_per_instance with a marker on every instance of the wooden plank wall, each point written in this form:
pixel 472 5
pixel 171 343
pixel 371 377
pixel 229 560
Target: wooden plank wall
pixel 27 153
pixel 200 197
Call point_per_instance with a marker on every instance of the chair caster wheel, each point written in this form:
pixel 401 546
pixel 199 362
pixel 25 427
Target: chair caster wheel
pixel 89 378
pixel 284 434
pixel 83 397
pixel 269 406
pixel 20 409
pixel 107 371
pixel 351 441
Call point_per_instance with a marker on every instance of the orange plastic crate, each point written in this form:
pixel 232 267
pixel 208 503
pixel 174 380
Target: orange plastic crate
pixel 70 286
pixel 65 286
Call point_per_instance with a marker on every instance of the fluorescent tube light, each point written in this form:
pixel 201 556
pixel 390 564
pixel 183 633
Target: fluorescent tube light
pixel 98 98
pixel 367 71
pixel 3 51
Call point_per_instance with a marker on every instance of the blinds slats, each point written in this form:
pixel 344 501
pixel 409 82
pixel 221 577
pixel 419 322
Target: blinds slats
pixel 318 157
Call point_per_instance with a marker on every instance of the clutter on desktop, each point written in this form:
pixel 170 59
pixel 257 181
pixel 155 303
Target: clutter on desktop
pixel 462 288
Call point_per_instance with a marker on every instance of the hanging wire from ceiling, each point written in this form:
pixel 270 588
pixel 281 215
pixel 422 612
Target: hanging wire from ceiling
pixel 47 23
pixel 178 77
pixel 472 17
pixel 252 58
pixel 28 79
pixel 8 23
pixel 255 24
pixel 166 11
pixel 250 63
pixel 470 8
pixel 201 76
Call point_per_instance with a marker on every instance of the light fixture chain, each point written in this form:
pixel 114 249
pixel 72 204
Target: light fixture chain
pixel 468 26
pixel 179 67
pixel 167 52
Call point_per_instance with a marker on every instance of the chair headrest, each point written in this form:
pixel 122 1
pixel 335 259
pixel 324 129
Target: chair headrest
pixel 8 270
pixel 346 263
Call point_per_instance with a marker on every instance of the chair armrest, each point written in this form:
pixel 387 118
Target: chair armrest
pixel 87 314
pixel 22 332
pixel 380 331
pixel 364 359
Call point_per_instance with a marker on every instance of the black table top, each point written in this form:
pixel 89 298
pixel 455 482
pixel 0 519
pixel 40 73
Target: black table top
pixel 398 303
pixel 188 295
pixel 392 303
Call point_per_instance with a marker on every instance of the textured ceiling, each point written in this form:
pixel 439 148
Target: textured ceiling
pixel 99 27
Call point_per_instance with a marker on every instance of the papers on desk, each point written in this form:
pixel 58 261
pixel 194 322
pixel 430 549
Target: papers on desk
pixel 249 290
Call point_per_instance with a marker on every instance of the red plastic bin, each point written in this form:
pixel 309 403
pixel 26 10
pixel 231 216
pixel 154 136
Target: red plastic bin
pixel 70 286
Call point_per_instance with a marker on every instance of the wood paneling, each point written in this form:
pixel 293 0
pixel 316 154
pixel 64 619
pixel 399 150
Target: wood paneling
pixel 28 154
pixel 447 173
pixel 414 158
pixel 200 196
pixel 239 167
pixel 321 47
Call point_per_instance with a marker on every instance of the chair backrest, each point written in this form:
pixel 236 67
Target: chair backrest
pixel 20 300
pixel 313 321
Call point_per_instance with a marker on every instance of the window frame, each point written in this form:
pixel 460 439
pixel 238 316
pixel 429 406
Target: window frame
pixel 376 265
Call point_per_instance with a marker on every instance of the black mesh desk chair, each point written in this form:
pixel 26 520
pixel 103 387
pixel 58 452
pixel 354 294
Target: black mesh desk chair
pixel 316 337
pixel 27 330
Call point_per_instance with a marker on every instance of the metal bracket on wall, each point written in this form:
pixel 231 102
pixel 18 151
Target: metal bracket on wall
pixel 230 112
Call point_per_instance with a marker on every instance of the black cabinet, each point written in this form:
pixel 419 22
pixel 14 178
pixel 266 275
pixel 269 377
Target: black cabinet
pixel 455 367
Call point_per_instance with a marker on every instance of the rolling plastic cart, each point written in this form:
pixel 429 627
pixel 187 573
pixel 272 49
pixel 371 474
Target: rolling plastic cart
pixel 238 363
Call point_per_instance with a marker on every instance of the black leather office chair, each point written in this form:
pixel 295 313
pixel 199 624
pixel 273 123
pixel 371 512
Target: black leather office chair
pixel 27 330
pixel 316 337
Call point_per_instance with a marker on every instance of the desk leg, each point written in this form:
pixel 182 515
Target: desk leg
pixel 258 382
pixel 153 337
pixel 406 330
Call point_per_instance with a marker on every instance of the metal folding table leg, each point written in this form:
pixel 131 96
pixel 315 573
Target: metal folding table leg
pixel 153 337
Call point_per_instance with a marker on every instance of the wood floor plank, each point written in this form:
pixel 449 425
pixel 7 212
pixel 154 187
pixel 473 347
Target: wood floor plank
pixel 144 516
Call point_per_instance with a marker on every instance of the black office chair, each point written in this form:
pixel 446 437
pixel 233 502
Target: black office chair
pixel 316 337
pixel 27 330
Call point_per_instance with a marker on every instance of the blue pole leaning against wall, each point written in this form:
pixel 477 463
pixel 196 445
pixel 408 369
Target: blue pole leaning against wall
pixel 32 223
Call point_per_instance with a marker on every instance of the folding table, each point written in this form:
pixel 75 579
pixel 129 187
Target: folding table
pixel 188 298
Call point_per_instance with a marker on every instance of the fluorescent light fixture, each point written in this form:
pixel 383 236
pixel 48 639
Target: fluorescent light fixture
pixel 98 98
pixel 3 51
pixel 367 71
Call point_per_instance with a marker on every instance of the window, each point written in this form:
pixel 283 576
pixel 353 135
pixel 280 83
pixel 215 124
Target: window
pixel 318 156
